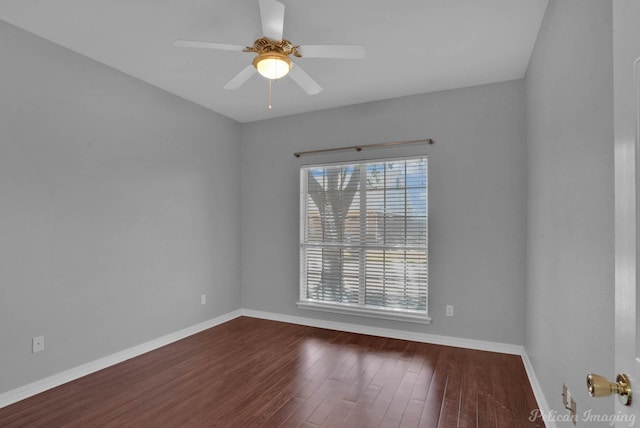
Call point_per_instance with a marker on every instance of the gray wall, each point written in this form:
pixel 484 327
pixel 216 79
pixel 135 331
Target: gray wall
pixel 569 304
pixel 477 203
pixel 119 209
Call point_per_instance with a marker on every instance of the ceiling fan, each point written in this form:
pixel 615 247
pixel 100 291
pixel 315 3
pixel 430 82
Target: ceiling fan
pixel 273 60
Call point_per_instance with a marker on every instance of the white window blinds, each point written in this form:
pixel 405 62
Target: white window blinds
pixel 364 235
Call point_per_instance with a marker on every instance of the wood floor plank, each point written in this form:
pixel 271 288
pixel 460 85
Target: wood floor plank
pixel 423 383
pixel 284 413
pixel 334 398
pixel 400 399
pixel 435 396
pixel 302 414
pixel 412 413
pixel 370 367
pixel 257 373
pixel 338 414
pixel 362 406
pixel 380 406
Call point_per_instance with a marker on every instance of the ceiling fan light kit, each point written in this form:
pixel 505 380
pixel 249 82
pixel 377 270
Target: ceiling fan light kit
pixel 272 65
pixel 273 60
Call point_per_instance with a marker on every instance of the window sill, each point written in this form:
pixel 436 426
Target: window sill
pixel 366 312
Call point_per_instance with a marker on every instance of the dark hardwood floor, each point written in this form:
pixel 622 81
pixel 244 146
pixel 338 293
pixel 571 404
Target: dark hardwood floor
pixel 255 373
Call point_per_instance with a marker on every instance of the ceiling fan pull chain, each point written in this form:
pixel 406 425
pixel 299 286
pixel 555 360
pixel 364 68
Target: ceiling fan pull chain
pixel 270 93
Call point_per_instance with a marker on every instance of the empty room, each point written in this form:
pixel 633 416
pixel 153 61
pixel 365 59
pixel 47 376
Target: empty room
pixel 264 213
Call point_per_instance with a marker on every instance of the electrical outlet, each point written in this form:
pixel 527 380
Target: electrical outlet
pixel 449 310
pixel 203 299
pixel 38 344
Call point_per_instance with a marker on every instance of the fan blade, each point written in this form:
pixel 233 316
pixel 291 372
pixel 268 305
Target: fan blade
pixel 272 15
pixel 207 45
pixel 332 51
pixel 241 77
pixel 305 81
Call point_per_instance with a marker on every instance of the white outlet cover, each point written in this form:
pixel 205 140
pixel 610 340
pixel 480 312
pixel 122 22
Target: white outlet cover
pixel 203 299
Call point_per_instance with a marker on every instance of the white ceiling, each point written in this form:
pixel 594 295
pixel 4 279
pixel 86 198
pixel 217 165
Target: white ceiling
pixel 413 46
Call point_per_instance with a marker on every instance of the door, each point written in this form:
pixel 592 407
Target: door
pixel 626 55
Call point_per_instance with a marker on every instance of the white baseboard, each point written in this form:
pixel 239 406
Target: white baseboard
pixel 42 385
pixel 481 345
pixel 537 389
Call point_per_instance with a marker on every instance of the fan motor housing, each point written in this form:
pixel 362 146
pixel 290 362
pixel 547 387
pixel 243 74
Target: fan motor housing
pixel 266 45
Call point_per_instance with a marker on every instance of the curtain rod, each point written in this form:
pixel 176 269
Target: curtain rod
pixel 363 146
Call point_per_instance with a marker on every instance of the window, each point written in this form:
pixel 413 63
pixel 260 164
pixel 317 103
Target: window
pixel 363 246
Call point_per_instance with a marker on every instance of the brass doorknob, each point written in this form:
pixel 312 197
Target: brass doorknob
pixel 599 386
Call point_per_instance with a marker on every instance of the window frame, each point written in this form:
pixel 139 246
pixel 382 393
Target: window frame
pixel 389 313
